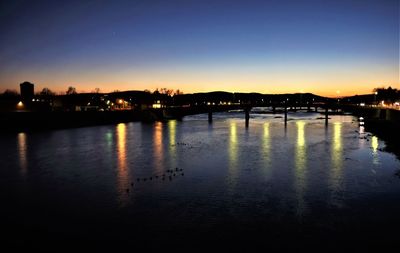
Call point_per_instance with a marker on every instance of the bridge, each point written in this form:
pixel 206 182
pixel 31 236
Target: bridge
pixel 178 112
pixel 388 113
pixel 27 121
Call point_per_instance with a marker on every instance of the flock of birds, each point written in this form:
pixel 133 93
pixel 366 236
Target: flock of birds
pixel 169 174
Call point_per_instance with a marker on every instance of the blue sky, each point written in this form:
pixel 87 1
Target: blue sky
pixel 262 46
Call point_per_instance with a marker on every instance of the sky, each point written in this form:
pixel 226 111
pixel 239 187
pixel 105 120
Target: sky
pixel 330 48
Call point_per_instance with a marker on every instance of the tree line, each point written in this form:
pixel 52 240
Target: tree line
pixel 72 91
pixel 44 92
pixel 387 94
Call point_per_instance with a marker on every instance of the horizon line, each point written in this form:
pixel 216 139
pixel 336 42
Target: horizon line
pixel 61 93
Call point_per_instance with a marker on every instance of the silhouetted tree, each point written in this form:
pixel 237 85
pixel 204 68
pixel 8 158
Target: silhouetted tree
pixel 71 90
pixel 46 92
pixel 10 93
pixel 167 91
pixel 388 94
pixel 164 91
pixel 96 90
pixel 178 92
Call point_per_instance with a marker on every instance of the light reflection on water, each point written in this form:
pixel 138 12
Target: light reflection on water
pixel 172 142
pixel 337 154
pixel 22 148
pixel 233 153
pixel 300 165
pixel 336 175
pixel 361 131
pixel 374 146
pixel 123 171
pixel 266 141
pixel 158 152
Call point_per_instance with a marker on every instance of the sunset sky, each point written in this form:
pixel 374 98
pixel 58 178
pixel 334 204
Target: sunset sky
pixel 199 45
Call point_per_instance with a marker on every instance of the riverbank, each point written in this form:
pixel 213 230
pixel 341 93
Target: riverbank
pixel 37 121
pixel 389 131
pixel 47 120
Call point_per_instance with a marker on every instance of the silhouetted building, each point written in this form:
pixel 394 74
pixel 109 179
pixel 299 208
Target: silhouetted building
pixel 27 91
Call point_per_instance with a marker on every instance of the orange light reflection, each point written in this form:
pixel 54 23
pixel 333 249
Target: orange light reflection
pixel 122 172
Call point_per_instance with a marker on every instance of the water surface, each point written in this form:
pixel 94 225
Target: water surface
pixel 188 183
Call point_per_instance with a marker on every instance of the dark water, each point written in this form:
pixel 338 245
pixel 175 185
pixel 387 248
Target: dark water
pixel 264 186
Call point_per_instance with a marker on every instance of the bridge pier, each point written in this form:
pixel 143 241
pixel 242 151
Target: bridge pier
pixel 285 115
pixel 247 116
pixel 326 116
pixel 210 118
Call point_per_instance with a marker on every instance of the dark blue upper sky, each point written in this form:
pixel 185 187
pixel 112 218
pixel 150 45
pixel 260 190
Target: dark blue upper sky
pixel 266 46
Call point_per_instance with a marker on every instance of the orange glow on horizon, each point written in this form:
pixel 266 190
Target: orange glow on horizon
pixel 332 83
pixel 350 90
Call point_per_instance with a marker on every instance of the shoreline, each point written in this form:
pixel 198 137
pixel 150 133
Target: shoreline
pixel 43 121
pixel 388 131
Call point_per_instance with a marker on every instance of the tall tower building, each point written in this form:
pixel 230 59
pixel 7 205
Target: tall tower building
pixel 27 91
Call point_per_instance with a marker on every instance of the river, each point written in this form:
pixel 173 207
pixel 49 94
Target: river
pixel 189 183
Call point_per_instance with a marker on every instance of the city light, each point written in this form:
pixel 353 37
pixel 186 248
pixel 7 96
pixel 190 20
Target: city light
pixel 157 105
pixel 361 121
